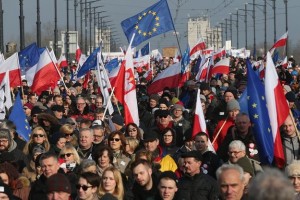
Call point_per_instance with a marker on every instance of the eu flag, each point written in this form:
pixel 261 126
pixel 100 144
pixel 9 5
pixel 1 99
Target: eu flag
pixel 259 116
pixel 151 22
pixel 29 57
pixel 18 117
pixel 90 63
pixel 185 61
pixel 112 64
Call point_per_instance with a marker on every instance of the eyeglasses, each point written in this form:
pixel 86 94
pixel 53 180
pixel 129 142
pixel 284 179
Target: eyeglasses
pixel 115 139
pixel 34 115
pixel 98 136
pixel 131 130
pixel 38 135
pixel 84 187
pixel 163 116
pixel 3 141
pixel 234 152
pixel 69 135
pixel 67 154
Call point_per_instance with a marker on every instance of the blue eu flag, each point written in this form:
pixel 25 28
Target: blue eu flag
pixel 29 57
pixel 18 117
pixel 151 22
pixel 259 116
pixel 90 63
pixel 114 63
pixel 185 61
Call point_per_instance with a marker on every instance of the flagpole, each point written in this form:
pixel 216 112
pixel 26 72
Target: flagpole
pixel 106 107
pixel 57 69
pixel 219 131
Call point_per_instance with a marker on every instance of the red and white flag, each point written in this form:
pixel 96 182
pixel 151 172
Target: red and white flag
pixel 62 61
pixel 12 66
pixel 142 62
pixel 198 47
pixel 199 122
pixel 221 67
pixel 46 75
pixel 125 89
pixel 170 77
pixel 284 63
pixel 277 107
pixel 113 76
pixel 202 73
pixel 280 42
pixel 77 53
pixel 207 51
pixel 148 75
pixel 220 53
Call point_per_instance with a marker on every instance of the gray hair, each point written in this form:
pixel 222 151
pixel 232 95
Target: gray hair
pixel 226 167
pixel 85 163
pixel 293 169
pixel 271 185
pixel 237 144
pixel 86 129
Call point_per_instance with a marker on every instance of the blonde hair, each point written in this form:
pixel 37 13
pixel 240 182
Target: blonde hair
pixel 119 189
pixel 68 129
pixel 132 142
pixel 45 144
pixel 69 147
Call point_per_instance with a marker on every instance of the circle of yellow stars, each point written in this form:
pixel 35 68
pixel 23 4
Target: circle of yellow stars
pixel 153 30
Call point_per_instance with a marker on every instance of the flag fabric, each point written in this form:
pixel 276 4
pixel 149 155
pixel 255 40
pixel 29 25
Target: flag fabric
pixel 114 75
pixel 148 75
pixel 142 62
pixel 112 64
pixel 277 107
pixel 90 63
pixel 199 122
pixel 185 62
pixel 258 114
pixel 18 117
pixel 77 53
pixel 198 47
pixel 62 61
pixel 207 51
pixel 145 50
pixel 151 22
pixel 202 73
pixel 221 67
pixel 177 56
pixel 280 42
pixel 12 66
pixel 46 75
pixel 243 101
pixel 5 96
pixel 168 78
pixel 1 58
pixel 284 63
pixel 156 55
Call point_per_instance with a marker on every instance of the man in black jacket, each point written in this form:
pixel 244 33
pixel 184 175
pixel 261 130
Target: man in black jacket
pixel 194 185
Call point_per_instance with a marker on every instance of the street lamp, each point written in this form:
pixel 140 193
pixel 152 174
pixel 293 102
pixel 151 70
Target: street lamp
pixel 286 24
pixel 1 28
pixel 237 26
pixel 246 25
pixel 38 24
pixel 55 27
pixel 21 18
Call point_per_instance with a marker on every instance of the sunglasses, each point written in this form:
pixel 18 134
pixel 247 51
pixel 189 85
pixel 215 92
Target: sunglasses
pixel 115 139
pixel 66 135
pixel 84 187
pixel 38 135
pixel 35 115
pixel 130 130
pixel 163 116
pixel 67 154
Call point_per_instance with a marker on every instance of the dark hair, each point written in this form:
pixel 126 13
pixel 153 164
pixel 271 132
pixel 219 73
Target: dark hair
pixel 97 154
pixel 91 178
pixel 122 138
pixel 46 156
pixel 139 134
pixel 141 162
pixel 201 134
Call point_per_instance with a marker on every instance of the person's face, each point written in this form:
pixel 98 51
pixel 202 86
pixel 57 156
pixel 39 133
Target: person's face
pixel 58 196
pixel 99 103
pixel 4 178
pixel 168 137
pixel 61 143
pixel 58 101
pixel 191 166
pixel 103 160
pixel 3 196
pixel 85 192
pixel 34 118
pixel 235 154
pixel 99 116
pixel 231 185
pixel 68 100
pixel 92 169
pixel 4 144
pixel 142 175
pixel 132 131
pixel 228 96
pixel 167 189
pixel 98 135
pixel 49 166
pixel 38 137
pixel 296 183
pixel 152 103
pixel 67 156
pixel 189 144
pixel 86 139
pixel 233 113
pixel 242 124
pixel 289 128
pixel 164 120
pixel 151 145
pixel 201 143
pixel 58 114
pixel 108 181
pixel 177 113
pixel 163 106
pixel 115 143
pixel 27 111
pixel 81 105
pixel 33 100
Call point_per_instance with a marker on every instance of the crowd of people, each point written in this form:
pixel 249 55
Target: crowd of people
pixel 77 151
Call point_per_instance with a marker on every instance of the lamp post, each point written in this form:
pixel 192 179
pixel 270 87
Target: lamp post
pixel 246 25
pixel 38 24
pixel 85 22
pixel 55 27
pixel 274 21
pixel 67 33
pixel 286 24
pixel 21 18
pixel 1 28
pixel 226 29
pixel 95 24
pixel 237 27
pixel 75 14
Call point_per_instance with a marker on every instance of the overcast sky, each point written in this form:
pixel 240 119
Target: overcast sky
pixel 117 10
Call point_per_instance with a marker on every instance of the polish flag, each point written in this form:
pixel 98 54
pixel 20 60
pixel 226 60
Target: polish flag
pixel 125 89
pixel 77 53
pixel 62 61
pixel 170 77
pixel 277 107
pixel 148 75
pixel 202 73
pixel 220 53
pixel 221 67
pixel 198 47
pixel 46 75
pixel 280 43
pixel 284 63
pixel 142 62
pixel 207 51
pixel 12 66
pixel 113 75
pixel 199 122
